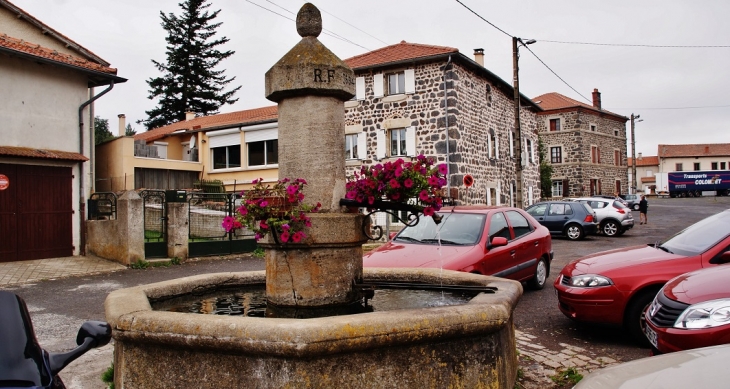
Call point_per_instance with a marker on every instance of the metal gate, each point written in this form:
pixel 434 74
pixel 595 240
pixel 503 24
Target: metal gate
pixel 155 223
pixel 206 235
pixel 36 212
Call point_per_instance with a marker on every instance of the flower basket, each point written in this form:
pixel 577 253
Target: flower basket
pixel 278 209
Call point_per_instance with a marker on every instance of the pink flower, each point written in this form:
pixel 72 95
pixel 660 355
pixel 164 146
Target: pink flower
pixel 394 184
pixel 428 211
pixel 371 199
pixel 395 196
pixel 263 203
pixel 285 236
pixel 423 195
pixel 228 223
pixel 243 211
pixel 292 189
pixel 263 225
pixel 443 169
pixel 433 180
pixel 298 236
pixel 408 183
pixel 285 227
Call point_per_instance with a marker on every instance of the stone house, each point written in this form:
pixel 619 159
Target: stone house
pixel 403 93
pixel 694 157
pixel 49 84
pixel 646 167
pixel 585 144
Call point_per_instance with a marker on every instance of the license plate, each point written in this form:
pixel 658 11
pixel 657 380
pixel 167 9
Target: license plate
pixel 651 335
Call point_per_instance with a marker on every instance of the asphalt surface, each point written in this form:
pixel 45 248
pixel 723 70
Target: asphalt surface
pixel 59 307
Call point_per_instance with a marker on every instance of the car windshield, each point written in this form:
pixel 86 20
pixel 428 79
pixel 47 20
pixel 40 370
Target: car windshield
pixel 699 237
pixel 455 228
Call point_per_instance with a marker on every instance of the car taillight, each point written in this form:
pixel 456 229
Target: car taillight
pixel 588 219
pixel 619 210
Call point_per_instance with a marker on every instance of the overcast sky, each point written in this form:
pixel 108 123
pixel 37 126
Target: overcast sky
pixel 679 92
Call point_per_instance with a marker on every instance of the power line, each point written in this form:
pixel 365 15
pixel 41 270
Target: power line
pixel 638 45
pixel 556 74
pixel 325 31
pixel 363 31
pixel 480 17
pixel 673 108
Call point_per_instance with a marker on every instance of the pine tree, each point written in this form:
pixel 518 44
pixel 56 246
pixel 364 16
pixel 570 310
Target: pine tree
pixel 189 81
pixel 129 131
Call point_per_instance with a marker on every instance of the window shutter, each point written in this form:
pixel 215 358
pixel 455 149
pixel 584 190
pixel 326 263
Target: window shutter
pixel 380 153
pixel 598 154
pixel 360 88
pixel 261 135
pixel 489 146
pixel 566 188
pixel 496 146
pixel 499 193
pixel 523 155
pixel 529 195
pixel 410 81
pixel 532 152
pixel 378 85
pixel 224 140
pixel 511 144
pixel 362 152
pixel 411 141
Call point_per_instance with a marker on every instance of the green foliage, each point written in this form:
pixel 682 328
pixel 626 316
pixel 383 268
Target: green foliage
pixel 108 377
pixel 569 376
pixel 259 252
pixel 546 171
pixel 129 131
pixel 189 80
pixel 140 264
pixel 101 130
pixel 175 261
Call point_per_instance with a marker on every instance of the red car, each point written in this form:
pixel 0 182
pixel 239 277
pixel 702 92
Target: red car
pixel 499 241
pixel 617 286
pixel 691 311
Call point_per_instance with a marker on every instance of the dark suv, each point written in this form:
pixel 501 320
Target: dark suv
pixel 573 220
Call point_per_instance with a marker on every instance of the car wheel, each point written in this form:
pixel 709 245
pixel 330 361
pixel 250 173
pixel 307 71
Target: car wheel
pixel 610 228
pixel 634 318
pixel 636 207
pixel 540 278
pixel 574 232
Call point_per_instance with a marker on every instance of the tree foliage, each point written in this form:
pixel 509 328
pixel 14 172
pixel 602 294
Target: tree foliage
pixel 546 171
pixel 189 81
pixel 101 130
pixel 129 131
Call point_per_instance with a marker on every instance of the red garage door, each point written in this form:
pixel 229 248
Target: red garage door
pixel 35 213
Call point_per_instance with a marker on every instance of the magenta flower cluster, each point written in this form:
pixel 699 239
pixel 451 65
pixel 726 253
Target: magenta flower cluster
pixel 278 209
pixel 400 181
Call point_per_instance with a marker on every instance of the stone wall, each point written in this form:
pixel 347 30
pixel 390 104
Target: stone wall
pixel 476 108
pixel 576 138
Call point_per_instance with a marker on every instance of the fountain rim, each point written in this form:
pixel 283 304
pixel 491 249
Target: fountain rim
pixel 132 318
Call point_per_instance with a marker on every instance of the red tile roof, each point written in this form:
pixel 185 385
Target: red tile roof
pixel 644 161
pixel 29 152
pixel 648 179
pixel 399 52
pixel 245 117
pixel 39 51
pixel 695 150
pixel 553 101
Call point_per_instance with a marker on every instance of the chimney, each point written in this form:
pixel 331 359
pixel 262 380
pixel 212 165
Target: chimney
pixel 596 98
pixel 479 56
pixel 122 124
pixel 639 157
pixel 189 116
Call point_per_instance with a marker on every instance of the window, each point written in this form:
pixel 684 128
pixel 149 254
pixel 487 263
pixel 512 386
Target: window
pixel 595 154
pixel 593 127
pixel 556 154
pixel 397 83
pixel 530 153
pixel 398 142
pixel 714 166
pixel 519 223
pixel 560 209
pixel 263 153
pixel 678 167
pixel 511 144
pixel 359 88
pixel 492 144
pixel 697 166
pixel 538 210
pixel 649 173
pixel 722 165
pixel 351 151
pixel 557 188
pixel 226 157
pixel 615 132
pixel 554 124
pixel 498 227
pixel 616 158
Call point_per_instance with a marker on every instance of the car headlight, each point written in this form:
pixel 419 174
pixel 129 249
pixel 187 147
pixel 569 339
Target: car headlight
pixel 706 314
pixel 590 281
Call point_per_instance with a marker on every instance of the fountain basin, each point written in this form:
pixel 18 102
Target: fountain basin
pixel 457 346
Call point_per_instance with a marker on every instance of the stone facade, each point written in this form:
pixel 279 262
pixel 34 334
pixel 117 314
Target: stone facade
pixel 578 171
pixel 480 113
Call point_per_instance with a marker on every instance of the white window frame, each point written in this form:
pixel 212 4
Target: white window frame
pixel 557 184
pixel 378 85
pixel 360 88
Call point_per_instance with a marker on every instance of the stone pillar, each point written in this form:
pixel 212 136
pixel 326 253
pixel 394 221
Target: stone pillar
pixel 311 84
pixel 121 239
pixel 178 230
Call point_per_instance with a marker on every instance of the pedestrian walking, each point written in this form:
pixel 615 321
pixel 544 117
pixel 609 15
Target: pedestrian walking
pixel 643 207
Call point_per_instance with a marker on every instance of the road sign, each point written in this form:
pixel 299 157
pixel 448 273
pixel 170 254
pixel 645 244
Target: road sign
pixel 468 180
pixel 4 182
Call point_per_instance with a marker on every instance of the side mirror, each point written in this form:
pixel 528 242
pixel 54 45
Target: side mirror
pixel 92 334
pixel 497 241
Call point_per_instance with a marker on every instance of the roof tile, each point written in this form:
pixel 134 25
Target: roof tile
pixel 29 152
pixel 398 52
pixel 37 50
pixel 644 161
pixel 695 150
pixel 554 100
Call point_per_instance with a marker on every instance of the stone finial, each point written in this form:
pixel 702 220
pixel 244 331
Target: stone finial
pixel 309 21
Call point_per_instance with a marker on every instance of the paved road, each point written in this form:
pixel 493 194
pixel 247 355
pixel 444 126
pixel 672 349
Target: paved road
pixel 59 307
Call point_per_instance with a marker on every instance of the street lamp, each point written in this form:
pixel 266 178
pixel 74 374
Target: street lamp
pixel 633 151
pixel 516 42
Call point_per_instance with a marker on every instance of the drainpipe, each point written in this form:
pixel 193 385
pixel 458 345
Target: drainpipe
pixel 446 118
pixel 82 198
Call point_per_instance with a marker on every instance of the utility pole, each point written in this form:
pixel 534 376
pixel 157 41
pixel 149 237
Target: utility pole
pixel 633 153
pixel 518 130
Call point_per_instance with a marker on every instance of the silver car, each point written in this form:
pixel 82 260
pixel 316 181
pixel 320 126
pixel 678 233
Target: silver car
pixel 614 218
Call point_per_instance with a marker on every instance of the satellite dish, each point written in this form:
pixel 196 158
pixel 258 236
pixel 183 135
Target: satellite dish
pixel 192 142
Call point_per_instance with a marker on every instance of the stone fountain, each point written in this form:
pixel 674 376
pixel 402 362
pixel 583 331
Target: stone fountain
pixel 459 346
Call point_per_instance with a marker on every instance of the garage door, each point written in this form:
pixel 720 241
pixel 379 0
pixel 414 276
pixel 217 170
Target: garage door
pixel 35 213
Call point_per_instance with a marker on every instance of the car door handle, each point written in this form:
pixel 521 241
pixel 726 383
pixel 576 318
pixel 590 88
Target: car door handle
pixel 512 253
pixel 566 218
pixel 537 243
